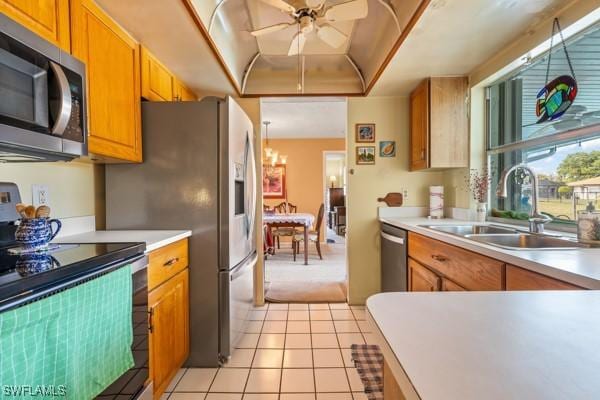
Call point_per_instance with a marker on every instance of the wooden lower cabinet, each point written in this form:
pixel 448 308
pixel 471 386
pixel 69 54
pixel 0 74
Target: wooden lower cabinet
pixel 391 389
pixel 434 265
pixel 470 270
pixel 449 286
pixel 168 306
pixel 47 18
pixel 522 279
pixel 421 279
pixel 112 59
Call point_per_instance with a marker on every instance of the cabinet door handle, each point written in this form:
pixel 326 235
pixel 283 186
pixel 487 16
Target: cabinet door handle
pixel 439 258
pixel 171 262
pixel 150 315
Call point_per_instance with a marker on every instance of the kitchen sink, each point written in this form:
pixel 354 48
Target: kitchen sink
pixel 464 230
pixel 508 238
pixel 525 241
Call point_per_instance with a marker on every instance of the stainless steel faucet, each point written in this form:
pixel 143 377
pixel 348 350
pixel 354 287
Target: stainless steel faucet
pixel 536 219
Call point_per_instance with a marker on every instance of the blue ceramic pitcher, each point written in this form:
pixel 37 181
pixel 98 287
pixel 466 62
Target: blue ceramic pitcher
pixel 36 233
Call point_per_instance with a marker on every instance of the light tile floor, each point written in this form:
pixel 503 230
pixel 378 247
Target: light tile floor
pixel 289 352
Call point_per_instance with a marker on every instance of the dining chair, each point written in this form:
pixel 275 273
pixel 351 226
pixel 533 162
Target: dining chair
pixel 282 208
pixel 313 235
pixel 292 209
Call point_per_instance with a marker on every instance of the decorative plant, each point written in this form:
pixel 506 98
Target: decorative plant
pixel 478 183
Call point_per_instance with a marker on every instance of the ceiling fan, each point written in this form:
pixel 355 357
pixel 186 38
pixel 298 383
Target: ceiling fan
pixel 315 17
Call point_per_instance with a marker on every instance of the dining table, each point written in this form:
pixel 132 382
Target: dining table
pixel 291 220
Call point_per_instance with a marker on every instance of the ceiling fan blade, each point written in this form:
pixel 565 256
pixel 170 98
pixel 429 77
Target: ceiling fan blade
pixel 351 10
pixel 270 29
pixel 280 4
pixel 331 36
pixel 297 44
pixel 314 4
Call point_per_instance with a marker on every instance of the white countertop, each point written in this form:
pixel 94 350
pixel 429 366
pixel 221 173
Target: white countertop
pixel 153 239
pixel 491 345
pixel 580 267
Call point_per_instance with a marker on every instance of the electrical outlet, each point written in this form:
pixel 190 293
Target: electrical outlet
pixel 40 194
pixel 405 194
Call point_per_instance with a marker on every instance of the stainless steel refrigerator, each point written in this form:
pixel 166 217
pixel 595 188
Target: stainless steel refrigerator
pixel 198 174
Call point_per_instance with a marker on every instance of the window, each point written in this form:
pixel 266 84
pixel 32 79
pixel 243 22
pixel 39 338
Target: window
pixel 565 154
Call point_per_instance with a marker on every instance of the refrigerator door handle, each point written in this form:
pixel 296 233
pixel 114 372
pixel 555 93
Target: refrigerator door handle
pixel 243 267
pixel 250 162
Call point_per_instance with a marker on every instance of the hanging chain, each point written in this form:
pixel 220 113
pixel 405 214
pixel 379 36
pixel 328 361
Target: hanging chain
pixel 299 87
pixel 556 27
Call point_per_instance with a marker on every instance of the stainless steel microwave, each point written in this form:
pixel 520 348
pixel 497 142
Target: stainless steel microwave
pixel 42 98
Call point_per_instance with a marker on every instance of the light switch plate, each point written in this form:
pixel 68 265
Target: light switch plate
pixel 40 194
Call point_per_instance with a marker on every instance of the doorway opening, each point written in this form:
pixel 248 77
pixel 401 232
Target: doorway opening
pixel 334 179
pixel 303 181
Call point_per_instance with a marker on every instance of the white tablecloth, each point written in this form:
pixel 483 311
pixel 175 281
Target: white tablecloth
pixel 305 219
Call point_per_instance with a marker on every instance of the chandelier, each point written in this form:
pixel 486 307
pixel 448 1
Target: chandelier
pixel 272 157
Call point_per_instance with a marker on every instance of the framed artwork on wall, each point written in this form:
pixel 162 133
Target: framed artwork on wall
pixel 365 155
pixel 387 148
pixel 365 133
pixel 273 181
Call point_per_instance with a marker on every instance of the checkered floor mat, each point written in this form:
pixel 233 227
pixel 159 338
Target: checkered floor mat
pixel 369 364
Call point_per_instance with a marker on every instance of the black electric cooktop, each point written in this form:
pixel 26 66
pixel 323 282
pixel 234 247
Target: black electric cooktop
pixel 23 276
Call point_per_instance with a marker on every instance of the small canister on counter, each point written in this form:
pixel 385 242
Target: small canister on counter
pixel 588 226
pixel 436 201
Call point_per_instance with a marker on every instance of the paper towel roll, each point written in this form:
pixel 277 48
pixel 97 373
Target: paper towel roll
pixel 436 201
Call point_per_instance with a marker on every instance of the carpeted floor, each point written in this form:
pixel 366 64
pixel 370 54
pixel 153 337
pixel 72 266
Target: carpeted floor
pixel 319 281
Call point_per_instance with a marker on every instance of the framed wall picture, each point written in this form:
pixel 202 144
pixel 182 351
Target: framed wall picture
pixel 365 133
pixel 365 155
pixel 273 181
pixel 387 148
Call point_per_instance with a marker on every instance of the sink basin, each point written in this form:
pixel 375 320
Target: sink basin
pixel 527 242
pixel 464 230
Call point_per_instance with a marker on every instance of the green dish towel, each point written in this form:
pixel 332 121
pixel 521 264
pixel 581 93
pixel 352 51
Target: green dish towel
pixel 73 344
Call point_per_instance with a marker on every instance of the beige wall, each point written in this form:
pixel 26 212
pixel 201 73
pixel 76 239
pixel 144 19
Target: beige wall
pixel 304 180
pixel 390 114
pixel 76 188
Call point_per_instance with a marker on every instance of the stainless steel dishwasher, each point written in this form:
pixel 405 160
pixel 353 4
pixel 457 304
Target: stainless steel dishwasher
pixel 394 271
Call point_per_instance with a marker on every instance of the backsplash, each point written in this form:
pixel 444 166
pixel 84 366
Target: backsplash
pixel 76 189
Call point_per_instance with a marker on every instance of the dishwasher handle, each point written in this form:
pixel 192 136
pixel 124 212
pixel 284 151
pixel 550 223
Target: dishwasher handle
pixel 392 238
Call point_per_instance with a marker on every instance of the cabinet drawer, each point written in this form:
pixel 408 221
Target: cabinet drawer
pixel 166 262
pixel 521 279
pixel 470 270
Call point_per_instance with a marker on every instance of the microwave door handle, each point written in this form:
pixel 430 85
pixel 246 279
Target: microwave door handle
pixel 64 112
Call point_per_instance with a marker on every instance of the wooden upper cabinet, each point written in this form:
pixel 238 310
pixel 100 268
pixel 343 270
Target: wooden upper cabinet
pixel 182 92
pixel 157 80
pixel 419 126
pixel 521 279
pixel 168 306
pixel 112 59
pixel 439 125
pixel 47 18
pixel 421 279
